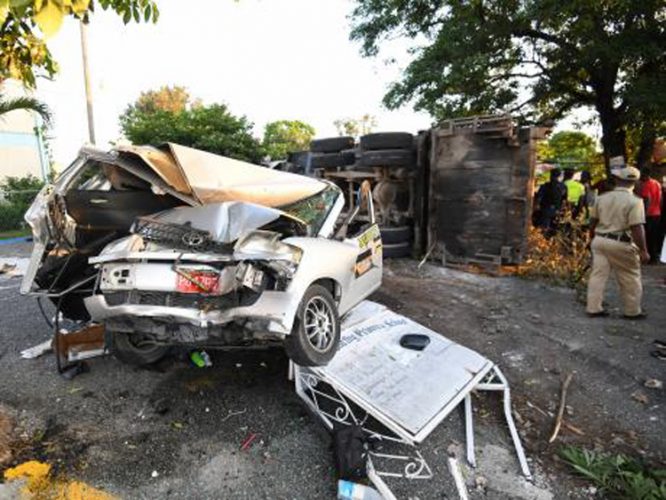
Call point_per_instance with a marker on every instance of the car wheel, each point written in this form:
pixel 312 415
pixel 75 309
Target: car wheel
pixel 398 234
pixel 316 334
pixel 388 158
pixel 332 144
pixel 131 348
pixel 396 250
pixel 387 140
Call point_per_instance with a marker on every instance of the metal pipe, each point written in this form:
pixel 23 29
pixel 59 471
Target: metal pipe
pixel 86 81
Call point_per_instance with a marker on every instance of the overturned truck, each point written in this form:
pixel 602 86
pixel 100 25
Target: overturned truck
pixel 175 246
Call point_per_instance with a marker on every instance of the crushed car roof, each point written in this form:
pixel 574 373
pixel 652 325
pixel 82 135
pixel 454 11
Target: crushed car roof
pixel 210 178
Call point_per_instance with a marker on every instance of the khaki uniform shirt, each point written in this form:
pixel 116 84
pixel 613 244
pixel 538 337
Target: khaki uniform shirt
pixel 617 211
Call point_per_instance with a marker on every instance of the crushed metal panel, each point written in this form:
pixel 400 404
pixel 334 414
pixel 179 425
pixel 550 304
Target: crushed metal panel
pixel 409 387
pixel 163 164
pixel 226 222
pixel 216 179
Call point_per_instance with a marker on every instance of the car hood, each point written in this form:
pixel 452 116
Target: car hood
pixel 225 222
pixel 207 178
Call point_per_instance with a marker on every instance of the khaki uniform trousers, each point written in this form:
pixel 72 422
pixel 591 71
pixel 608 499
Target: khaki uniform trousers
pixel 623 259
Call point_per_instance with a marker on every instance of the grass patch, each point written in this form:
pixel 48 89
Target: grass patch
pixel 15 233
pixel 617 476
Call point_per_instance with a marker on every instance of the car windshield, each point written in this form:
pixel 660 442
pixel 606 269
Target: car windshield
pixel 314 209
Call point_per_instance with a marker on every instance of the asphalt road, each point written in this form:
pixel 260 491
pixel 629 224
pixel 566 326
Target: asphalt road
pixel 175 431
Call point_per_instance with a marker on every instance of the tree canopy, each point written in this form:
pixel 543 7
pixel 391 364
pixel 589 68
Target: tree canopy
pixel 154 120
pixel 356 126
pixel 537 58
pixel 284 136
pixel 568 146
pixel 26 24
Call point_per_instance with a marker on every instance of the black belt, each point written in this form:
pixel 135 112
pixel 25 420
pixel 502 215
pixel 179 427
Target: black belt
pixel 623 237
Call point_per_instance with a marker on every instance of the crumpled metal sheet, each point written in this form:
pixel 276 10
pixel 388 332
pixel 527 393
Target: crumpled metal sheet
pixel 216 179
pixel 210 178
pixel 226 222
pixel 163 164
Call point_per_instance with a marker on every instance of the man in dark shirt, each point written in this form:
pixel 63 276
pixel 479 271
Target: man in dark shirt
pixel 550 199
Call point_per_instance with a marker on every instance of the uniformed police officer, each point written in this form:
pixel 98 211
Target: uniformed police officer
pixel 618 244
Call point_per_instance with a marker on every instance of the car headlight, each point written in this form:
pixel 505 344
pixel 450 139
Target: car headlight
pixel 266 245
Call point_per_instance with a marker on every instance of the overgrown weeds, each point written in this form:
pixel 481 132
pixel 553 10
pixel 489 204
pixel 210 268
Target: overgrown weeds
pixel 562 258
pixel 617 476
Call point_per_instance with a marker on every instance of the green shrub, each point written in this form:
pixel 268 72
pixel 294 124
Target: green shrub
pixel 17 195
pixel 11 216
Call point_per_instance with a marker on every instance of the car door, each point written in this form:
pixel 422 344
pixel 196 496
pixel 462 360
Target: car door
pixel 365 237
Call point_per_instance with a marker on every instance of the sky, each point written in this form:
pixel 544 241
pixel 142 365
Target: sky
pixel 266 59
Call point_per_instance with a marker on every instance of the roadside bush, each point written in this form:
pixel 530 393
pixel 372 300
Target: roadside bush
pixel 17 195
pixel 11 216
pixel 562 259
pixel 617 476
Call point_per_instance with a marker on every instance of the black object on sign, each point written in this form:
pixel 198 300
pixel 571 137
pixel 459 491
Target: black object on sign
pixel 414 341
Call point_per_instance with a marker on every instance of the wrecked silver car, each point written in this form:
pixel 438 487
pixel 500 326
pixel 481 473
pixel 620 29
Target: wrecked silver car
pixel 175 246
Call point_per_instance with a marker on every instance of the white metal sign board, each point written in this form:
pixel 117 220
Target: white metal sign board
pixel 415 389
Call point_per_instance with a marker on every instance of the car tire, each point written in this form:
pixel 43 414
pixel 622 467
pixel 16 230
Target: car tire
pixel 398 234
pixel 301 343
pixel 123 348
pixel 388 158
pixel 387 140
pixel 330 160
pixel 396 250
pixel 332 144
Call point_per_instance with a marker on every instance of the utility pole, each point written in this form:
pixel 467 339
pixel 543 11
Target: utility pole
pixel 86 79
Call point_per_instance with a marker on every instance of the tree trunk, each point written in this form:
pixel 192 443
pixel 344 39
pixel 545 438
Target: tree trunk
pixel 646 146
pixel 613 137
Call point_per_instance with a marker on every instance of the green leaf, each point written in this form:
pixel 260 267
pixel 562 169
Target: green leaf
pixel 146 13
pixel 49 18
pixel 4 10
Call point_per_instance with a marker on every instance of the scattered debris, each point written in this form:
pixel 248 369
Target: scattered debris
pixel 40 483
pixel 481 483
pixel 77 345
pixel 13 267
pixel 75 369
pixel 354 491
pixel 37 350
pixel 560 411
pixel 233 414
pixel 454 469
pixel 248 441
pixel 201 359
pixel 640 396
pixel 653 383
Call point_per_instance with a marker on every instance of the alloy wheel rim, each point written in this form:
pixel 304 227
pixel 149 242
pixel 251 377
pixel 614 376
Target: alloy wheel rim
pixel 319 323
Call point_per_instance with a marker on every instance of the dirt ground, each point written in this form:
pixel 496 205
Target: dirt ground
pixel 175 431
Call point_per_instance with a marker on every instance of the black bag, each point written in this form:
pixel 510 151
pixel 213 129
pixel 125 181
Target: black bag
pixel 350 448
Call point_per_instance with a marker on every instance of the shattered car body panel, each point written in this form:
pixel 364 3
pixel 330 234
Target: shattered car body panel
pixel 178 246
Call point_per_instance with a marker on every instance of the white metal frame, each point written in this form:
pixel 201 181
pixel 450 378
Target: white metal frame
pixel 317 390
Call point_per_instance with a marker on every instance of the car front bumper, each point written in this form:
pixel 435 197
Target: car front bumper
pixel 271 309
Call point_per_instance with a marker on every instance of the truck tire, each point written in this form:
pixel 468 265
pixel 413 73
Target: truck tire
pixel 396 250
pixel 332 144
pixel 388 158
pixel 387 140
pixel 315 337
pixel 398 234
pixel 124 347
pixel 330 160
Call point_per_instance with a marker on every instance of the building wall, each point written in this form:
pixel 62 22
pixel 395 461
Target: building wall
pixel 20 151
